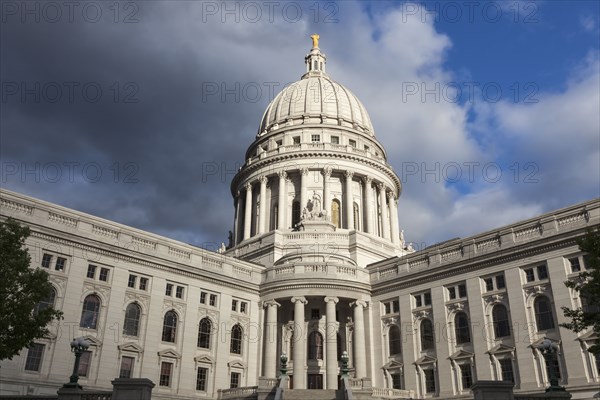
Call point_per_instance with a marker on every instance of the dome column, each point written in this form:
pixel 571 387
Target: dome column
pixel 331 342
pixel 349 201
pixel 385 221
pixel 270 360
pixel 282 204
pixel 303 191
pixel 248 211
pixel 394 218
pixel 262 218
pixel 236 220
pixel 299 356
pixel 360 359
pixel 368 208
pixel 326 191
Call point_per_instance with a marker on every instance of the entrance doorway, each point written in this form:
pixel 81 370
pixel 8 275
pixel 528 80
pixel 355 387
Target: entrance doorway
pixel 315 381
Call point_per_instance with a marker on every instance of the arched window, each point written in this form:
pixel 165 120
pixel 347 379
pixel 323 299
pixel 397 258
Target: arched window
pixel 500 320
pixel 335 213
pixel 461 328
pixel 356 217
pixel 236 339
pixel 295 213
pixel 395 340
pixel 131 326
pixel 46 302
pixel 169 332
pixel 204 331
pixel 426 335
pixel 90 312
pixel 315 346
pixel 543 313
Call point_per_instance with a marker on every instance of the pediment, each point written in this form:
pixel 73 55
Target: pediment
pixel 93 341
pixel 236 364
pixel 204 359
pixel 538 342
pixel 132 347
pixel 393 364
pixel 426 360
pixel 461 354
pixel 501 348
pixel 591 335
pixel 169 353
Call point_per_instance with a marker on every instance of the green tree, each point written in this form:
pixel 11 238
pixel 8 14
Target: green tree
pixel 588 286
pixel 21 289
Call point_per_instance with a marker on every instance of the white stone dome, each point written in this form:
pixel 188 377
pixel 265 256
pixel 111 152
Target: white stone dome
pixel 316 95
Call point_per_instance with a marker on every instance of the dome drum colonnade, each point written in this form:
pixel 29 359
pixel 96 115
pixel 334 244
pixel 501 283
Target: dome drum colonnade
pixel 301 343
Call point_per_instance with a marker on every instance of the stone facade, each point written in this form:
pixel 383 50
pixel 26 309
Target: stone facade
pixel 316 265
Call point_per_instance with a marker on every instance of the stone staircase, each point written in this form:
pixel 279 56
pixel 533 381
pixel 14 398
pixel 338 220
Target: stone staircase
pixel 312 394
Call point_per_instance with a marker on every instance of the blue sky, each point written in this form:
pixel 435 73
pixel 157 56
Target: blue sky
pixel 533 147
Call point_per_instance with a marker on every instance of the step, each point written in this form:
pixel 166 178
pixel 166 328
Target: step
pixel 311 394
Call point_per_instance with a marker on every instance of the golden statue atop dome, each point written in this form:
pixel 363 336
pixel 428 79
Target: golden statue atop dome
pixel 315 38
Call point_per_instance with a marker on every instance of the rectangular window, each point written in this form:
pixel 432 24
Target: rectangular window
pixel 46 260
pixel 462 290
pixel 165 374
pixel 179 292
pixel 489 284
pixel 212 300
pixel 388 308
pixel 429 380
pixel 279 143
pixel 335 140
pixel 143 283
pixel 235 380
pixel 60 264
pixel 575 267
pixel 131 281
pixel 451 293
pixel 427 299
pixel 352 143
pixel 529 275
pixel 315 138
pixel 243 306
pixel 555 365
pixel 202 297
pixel 103 274
pixel 315 314
pixel 396 306
pixel 587 261
pixel 466 376
pixel 542 271
pixel 91 271
pixel 234 305
pixel 367 148
pixel 126 370
pixel 296 139
pixel 506 369
pixel 84 363
pixel 201 379
pixel 500 284
pixel 169 290
pixel 396 381
pixel 597 357
pixel 34 357
pixel 418 301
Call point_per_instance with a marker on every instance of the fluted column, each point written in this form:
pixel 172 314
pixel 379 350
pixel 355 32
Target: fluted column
pixel 281 208
pixel 270 360
pixel 331 342
pixel 303 191
pixel 360 357
pixel 385 221
pixel 262 217
pixel 299 357
pixel 248 212
pixel 326 190
pixel 368 208
pixel 349 201
pixel 394 218
pixel 236 221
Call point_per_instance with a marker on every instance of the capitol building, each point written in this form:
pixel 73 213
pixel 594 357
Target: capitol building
pixel 316 266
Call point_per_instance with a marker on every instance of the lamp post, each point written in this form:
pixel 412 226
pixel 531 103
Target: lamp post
pixel 78 346
pixel 548 350
pixel 283 368
pixel 345 359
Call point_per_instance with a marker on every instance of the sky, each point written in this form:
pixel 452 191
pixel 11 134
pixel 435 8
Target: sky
pixel 140 112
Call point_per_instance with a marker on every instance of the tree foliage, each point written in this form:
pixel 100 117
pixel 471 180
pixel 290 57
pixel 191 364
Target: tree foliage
pixel 21 289
pixel 588 286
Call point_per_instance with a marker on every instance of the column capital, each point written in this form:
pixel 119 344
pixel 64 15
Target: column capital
pixel 248 187
pixel 381 186
pixel 300 299
pixel 328 299
pixel 304 171
pixel 358 303
pixel 367 180
pixel 391 196
pixel 270 303
pixel 348 174
pixel 327 172
pixel 282 175
pixel 263 179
